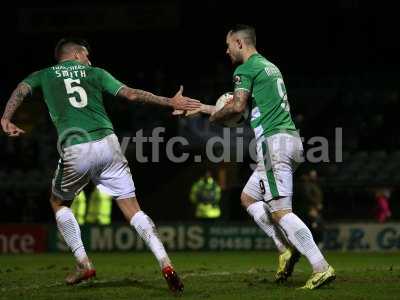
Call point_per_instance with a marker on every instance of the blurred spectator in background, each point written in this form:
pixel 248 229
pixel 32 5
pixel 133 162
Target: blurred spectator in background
pixel 311 202
pixel 78 207
pixel 206 195
pixel 98 208
pixel 382 208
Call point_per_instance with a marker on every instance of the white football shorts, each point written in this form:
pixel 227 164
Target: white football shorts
pixel 278 156
pixel 100 161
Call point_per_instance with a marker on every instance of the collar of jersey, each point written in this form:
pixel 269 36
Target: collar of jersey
pixel 69 61
pixel 253 55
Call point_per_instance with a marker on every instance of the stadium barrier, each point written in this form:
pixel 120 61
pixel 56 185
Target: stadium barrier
pixel 32 238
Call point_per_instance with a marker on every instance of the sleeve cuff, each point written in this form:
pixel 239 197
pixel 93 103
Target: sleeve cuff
pixel 118 89
pixel 240 88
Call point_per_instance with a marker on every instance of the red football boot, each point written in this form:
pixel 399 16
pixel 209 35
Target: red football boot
pixel 83 272
pixel 174 282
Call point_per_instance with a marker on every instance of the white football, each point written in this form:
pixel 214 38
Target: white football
pixel 235 121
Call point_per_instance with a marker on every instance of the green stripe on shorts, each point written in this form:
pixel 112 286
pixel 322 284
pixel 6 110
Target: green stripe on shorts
pixel 270 172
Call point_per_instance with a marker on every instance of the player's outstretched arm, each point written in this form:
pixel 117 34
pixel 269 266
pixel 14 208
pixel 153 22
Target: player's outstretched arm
pixel 16 99
pixel 232 108
pixel 178 101
pixel 204 108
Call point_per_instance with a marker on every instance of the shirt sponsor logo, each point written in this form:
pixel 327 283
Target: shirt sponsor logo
pixel 237 80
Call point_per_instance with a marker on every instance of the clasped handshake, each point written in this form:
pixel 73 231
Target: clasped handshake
pixel 186 106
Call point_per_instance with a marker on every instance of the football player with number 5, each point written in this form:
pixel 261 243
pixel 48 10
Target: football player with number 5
pixel 89 149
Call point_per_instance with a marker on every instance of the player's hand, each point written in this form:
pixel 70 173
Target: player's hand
pixel 178 112
pixel 180 102
pixel 212 117
pixel 186 113
pixel 11 129
pixel 208 109
pixel 204 108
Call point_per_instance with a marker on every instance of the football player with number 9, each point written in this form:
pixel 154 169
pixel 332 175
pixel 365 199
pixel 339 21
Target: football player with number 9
pixel 267 196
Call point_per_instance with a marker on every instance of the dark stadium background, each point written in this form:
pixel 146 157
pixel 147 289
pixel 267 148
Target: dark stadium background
pixel 339 61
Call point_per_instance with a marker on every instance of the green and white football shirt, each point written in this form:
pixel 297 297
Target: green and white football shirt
pixel 73 94
pixel 270 110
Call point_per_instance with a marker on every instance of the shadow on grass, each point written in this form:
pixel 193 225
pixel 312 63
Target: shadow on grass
pixel 120 283
pixel 155 289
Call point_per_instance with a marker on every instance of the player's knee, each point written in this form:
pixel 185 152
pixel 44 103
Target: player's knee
pixel 246 200
pixel 276 216
pixel 57 203
pixel 54 200
pixel 129 207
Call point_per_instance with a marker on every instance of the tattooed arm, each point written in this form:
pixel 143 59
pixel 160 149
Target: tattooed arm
pixel 176 102
pixel 17 97
pixel 143 96
pixel 204 108
pixel 232 108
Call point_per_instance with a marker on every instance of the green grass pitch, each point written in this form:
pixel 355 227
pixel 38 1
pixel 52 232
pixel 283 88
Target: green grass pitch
pixel 207 275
